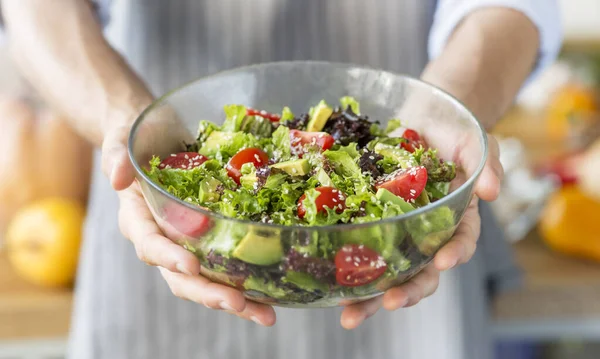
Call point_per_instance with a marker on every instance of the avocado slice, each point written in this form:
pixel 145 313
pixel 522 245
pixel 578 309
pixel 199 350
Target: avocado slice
pixel 260 247
pixel 386 196
pixel 249 180
pixel 320 116
pixel 208 190
pixel 299 167
pixel 324 178
pixel 403 157
pixel 304 281
pixel 214 141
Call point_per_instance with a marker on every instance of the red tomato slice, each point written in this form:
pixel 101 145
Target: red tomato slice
pixel 255 156
pixel 301 138
pixel 328 197
pixel 269 116
pixel 407 184
pixel 357 265
pixel 183 160
pixel 413 140
pixel 186 221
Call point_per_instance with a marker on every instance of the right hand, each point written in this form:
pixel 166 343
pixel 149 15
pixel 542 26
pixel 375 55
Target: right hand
pixel 179 267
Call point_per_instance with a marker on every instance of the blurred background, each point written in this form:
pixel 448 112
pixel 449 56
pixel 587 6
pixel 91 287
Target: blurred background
pixel 551 221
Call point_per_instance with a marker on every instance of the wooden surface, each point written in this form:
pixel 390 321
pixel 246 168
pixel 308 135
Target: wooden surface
pixel 27 311
pixel 555 287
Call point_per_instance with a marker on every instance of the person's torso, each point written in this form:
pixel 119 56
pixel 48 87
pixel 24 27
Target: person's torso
pixel 124 309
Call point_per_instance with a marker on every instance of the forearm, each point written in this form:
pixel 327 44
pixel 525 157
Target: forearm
pixel 61 50
pixel 486 61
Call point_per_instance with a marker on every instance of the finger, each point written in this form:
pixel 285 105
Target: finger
pixel 354 314
pixel 489 183
pixel 201 290
pixel 463 244
pixel 115 159
pixel 136 224
pixel 259 313
pixel 412 292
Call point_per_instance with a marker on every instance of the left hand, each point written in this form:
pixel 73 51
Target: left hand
pixel 458 250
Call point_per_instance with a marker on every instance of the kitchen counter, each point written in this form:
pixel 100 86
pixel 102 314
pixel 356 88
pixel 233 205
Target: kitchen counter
pixel 560 296
pixel 27 311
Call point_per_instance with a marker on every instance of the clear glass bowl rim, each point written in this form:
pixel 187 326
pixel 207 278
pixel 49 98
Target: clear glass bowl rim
pixel 344 226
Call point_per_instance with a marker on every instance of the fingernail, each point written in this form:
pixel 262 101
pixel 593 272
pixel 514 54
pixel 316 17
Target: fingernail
pixel 255 320
pixel 226 306
pixel 182 269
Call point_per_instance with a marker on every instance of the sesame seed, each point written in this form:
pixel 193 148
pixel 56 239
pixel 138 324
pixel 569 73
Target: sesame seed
pixel 173 155
pixel 372 215
pixel 294 170
pixel 348 259
pixel 355 264
pixel 356 259
pixel 263 112
pixel 340 206
pixel 371 157
pixel 348 277
pixel 362 246
pixel 196 163
pixel 186 157
pixel 257 158
pixel 334 200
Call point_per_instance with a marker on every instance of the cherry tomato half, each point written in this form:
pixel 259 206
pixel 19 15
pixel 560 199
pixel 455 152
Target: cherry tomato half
pixel 255 156
pixel 407 184
pixel 413 140
pixel 357 265
pixel 269 116
pixel 329 197
pixel 301 138
pixel 183 160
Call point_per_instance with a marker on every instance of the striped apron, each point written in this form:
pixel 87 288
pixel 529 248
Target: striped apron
pixel 124 309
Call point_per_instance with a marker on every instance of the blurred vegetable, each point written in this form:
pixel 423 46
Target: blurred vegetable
pixel 588 170
pixel 573 106
pixel 41 157
pixel 43 241
pixel 569 223
pixel 565 168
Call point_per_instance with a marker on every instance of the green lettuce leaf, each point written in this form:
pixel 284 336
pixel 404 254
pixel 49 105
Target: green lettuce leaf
pixel 282 144
pixel 257 126
pixel 392 125
pixel 234 116
pixel 286 115
pixel 348 101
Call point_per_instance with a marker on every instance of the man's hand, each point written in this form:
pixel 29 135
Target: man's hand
pixel 457 251
pixel 179 267
pixel 484 64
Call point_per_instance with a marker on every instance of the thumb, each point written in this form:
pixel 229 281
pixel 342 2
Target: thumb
pixel 115 159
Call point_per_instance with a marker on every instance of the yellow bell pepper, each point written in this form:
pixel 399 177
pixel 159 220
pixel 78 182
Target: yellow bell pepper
pixel 572 106
pixel 570 223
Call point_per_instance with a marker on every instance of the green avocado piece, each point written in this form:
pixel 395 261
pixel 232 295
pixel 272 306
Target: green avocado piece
pixel 319 118
pixel 265 286
pixel 299 167
pixel 403 157
pixel 260 248
pixel 214 141
pixel 208 190
pixel 324 178
pixel 386 196
pixel 304 281
pixel 248 181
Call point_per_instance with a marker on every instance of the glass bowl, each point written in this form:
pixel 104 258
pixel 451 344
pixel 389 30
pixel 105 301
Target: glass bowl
pixel 303 278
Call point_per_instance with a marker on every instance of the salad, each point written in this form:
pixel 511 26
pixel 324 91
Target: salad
pixel 325 167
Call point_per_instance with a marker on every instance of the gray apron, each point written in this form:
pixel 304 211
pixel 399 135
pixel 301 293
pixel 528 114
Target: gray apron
pixel 124 309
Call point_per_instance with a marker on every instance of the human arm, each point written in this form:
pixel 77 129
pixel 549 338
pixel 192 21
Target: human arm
pixel 61 51
pixel 484 63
